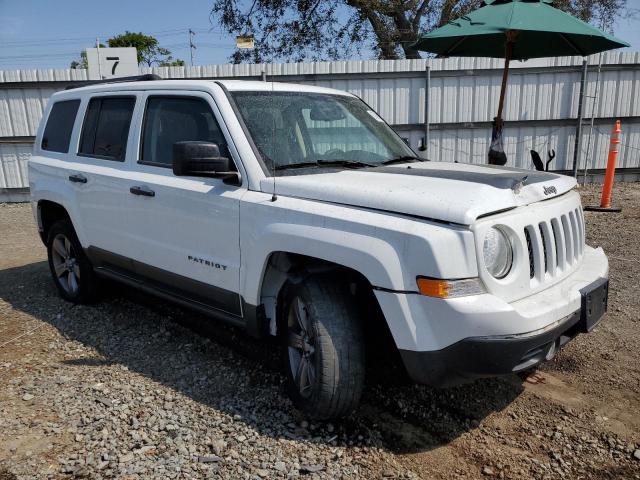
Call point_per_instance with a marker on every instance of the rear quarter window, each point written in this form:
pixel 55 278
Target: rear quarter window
pixel 57 132
pixel 106 127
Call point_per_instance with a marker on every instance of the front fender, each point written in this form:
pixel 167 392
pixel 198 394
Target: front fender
pixel 388 250
pixel 358 252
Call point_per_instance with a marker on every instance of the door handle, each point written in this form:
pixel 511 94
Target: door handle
pixel 142 190
pixel 77 178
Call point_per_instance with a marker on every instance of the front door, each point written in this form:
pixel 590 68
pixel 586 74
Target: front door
pixel 184 231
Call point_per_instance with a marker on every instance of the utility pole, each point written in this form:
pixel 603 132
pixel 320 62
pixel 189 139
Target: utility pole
pixel 192 46
pixel 578 143
pixel 98 52
pixel 427 88
pixel 594 102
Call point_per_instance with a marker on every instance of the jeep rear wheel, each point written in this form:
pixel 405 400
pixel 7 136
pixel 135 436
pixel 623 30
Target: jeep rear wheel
pixel 323 348
pixel 71 271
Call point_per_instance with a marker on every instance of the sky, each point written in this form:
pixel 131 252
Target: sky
pixel 52 33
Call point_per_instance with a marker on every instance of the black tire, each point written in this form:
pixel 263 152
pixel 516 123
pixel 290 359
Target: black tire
pixel 62 240
pixel 330 386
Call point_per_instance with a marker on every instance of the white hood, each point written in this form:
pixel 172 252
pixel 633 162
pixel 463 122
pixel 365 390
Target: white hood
pixel 450 192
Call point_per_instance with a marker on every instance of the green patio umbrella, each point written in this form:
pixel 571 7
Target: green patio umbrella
pixel 515 30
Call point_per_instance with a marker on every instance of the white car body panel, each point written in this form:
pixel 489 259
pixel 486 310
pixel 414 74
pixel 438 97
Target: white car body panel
pixel 389 250
pixel 444 199
pixel 191 226
pixel 486 315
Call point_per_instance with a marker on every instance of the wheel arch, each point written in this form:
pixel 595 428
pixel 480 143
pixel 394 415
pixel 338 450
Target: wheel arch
pixel 49 212
pixel 283 268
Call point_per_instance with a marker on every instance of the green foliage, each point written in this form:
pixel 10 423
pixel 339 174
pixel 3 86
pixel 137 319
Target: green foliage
pixel 169 62
pixel 149 50
pixel 303 30
pixel 82 63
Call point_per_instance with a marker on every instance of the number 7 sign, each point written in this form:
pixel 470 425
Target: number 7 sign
pixel 116 61
pixel 112 62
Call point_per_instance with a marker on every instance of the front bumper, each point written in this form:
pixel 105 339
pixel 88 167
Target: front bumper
pixel 480 357
pixel 446 342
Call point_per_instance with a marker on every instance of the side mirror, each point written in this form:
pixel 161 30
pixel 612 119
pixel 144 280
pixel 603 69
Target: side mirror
pixel 202 159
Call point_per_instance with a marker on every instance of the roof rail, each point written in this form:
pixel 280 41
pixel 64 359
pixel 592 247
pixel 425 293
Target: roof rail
pixel 136 78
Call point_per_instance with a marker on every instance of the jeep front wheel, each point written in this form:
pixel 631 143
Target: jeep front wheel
pixel 323 347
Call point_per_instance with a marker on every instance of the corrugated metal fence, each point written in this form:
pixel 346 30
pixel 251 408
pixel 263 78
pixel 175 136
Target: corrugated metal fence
pixel 541 108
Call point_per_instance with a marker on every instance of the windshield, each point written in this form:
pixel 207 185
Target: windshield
pixel 294 130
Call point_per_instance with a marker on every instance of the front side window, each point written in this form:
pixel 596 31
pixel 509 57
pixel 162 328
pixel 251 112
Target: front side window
pixel 293 128
pixel 57 132
pixel 176 119
pixel 106 127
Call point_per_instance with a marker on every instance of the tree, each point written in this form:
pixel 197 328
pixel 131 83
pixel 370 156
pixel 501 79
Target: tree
pixel 299 30
pixel 169 62
pixel 149 50
pixel 82 63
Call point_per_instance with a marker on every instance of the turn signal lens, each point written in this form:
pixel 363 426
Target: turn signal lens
pixel 438 288
pixel 432 287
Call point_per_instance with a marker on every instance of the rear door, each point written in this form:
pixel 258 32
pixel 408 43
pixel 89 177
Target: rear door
pixel 98 171
pixel 184 231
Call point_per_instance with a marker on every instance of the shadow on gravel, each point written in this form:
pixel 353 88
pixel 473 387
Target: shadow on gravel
pixel 6 475
pixel 222 368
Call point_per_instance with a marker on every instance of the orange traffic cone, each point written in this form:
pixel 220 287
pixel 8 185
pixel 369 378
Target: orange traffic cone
pixel 607 187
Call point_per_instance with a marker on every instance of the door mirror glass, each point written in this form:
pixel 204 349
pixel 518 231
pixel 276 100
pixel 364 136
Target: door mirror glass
pixel 201 159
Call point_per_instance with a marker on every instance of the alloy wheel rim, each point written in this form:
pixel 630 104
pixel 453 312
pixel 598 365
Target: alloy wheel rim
pixel 65 264
pixel 301 347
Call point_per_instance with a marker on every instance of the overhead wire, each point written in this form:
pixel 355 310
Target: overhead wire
pixel 91 38
pixel 23 51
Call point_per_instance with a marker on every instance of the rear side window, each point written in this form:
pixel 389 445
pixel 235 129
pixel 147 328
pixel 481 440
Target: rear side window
pixel 175 119
pixel 57 132
pixel 106 127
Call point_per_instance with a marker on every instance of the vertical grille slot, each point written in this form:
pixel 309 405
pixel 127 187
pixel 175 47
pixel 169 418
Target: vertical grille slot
pixel 573 224
pixel 532 267
pixel 550 251
pixel 580 220
pixel 568 239
pixel 558 235
pixel 545 248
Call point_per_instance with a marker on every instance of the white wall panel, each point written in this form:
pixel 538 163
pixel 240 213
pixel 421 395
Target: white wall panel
pixel 13 165
pixel 464 92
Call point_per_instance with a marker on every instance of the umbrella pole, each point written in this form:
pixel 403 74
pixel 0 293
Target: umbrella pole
pixel 496 150
pixel 505 76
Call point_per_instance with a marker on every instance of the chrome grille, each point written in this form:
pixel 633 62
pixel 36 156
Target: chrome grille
pixel 554 245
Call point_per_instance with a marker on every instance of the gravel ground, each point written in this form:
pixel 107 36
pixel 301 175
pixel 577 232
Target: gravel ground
pixel 137 388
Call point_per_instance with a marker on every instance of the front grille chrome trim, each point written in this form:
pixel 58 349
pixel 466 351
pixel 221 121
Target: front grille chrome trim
pixel 554 245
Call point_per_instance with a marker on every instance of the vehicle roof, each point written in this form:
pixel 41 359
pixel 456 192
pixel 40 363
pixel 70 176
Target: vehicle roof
pixel 253 85
pixel 196 84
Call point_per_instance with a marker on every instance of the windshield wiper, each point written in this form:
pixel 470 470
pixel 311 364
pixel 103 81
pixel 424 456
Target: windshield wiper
pixel 325 163
pixel 403 159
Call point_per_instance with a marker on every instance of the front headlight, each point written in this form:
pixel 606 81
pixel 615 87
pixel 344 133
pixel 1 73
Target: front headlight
pixel 497 252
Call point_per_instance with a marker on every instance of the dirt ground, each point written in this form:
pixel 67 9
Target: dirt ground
pixel 123 389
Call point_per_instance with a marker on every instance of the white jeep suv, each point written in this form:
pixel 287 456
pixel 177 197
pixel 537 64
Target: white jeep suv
pixel 296 211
